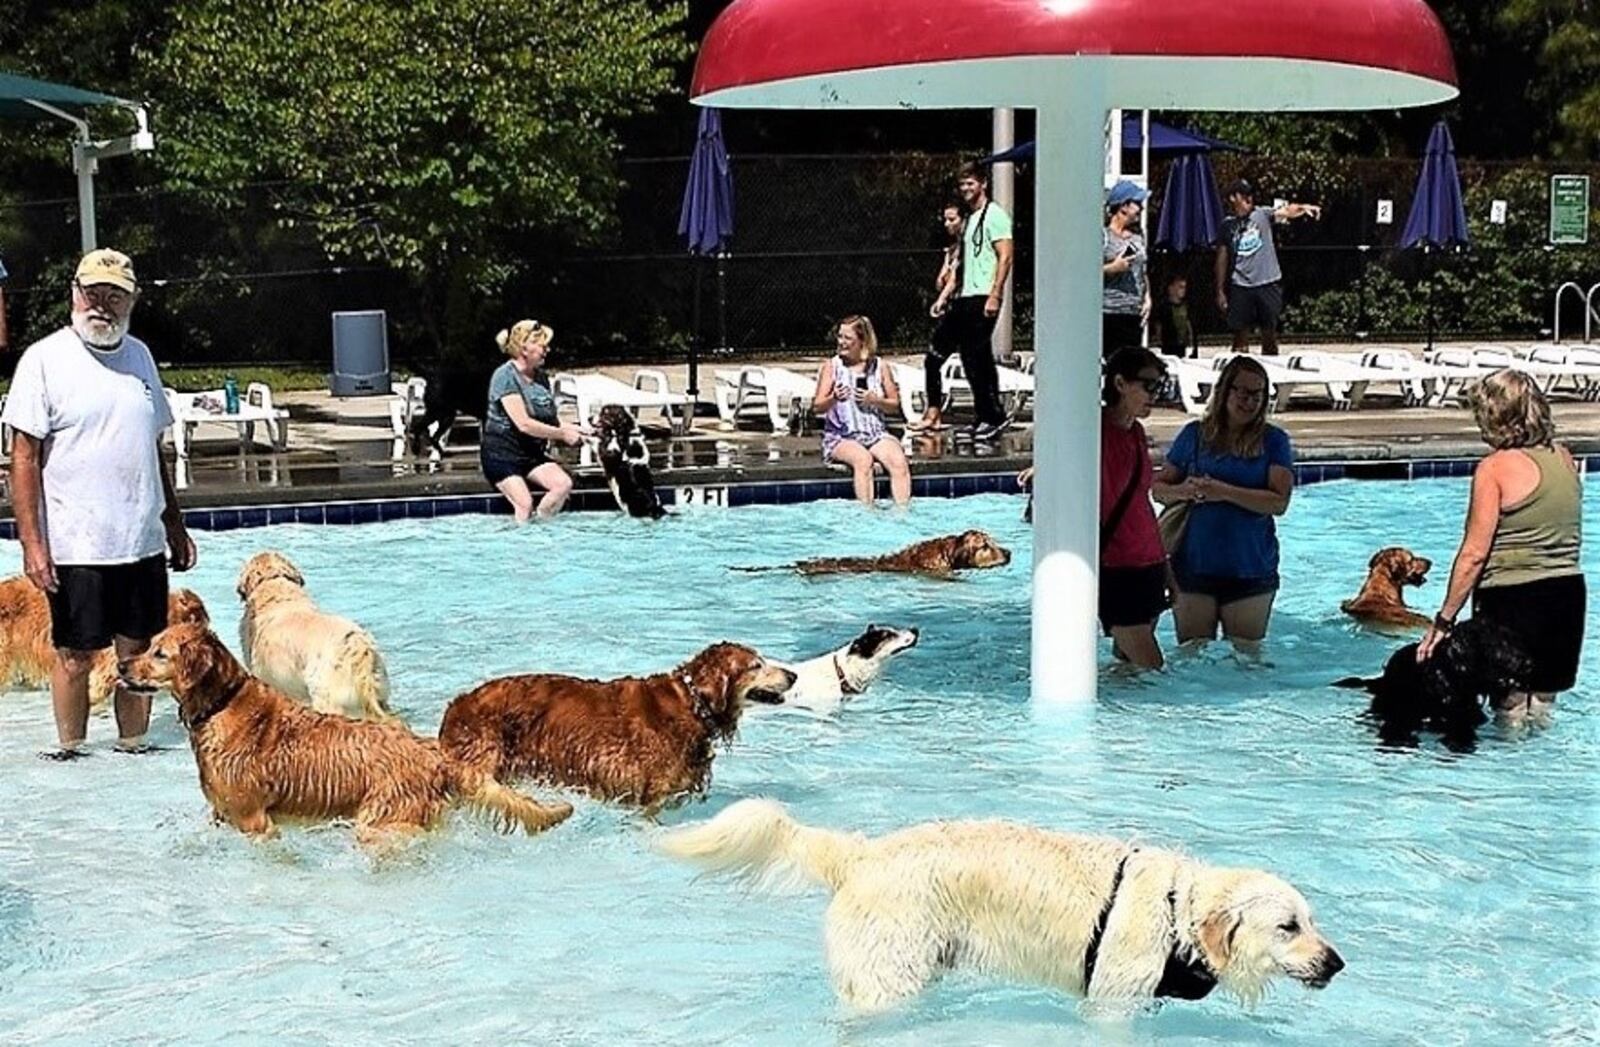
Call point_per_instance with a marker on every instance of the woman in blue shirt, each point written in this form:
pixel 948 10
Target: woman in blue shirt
pixel 1236 471
pixel 520 424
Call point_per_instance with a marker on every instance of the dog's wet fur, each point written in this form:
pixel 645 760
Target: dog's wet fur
pixel 626 461
pixel 1478 661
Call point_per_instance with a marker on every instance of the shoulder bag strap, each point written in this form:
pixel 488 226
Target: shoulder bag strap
pixel 1125 499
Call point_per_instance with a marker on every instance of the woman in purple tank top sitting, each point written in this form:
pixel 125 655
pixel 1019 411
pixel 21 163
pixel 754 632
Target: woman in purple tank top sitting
pixel 853 392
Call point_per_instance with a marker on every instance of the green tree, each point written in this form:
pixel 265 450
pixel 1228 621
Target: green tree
pixel 1568 46
pixel 451 139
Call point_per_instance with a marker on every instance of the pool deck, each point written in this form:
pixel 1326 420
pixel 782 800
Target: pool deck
pixel 341 449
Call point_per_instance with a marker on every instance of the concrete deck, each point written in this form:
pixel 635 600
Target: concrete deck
pixel 342 448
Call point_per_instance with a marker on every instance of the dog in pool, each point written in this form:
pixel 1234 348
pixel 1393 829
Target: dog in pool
pixel 264 756
pixel 825 682
pixel 626 461
pixel 1381 603
pixel 644 740
pixel 935 557
pixel 1118 923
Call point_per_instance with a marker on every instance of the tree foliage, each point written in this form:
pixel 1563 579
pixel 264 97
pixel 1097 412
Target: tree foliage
pixel 436 135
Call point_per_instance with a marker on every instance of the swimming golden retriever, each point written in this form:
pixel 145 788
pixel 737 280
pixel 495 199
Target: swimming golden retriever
pixel 1095 917
pixel 936 556
pixel 637 740
pixel 1382 599
pixel 262 755
pixel 320 658
pixel 27 654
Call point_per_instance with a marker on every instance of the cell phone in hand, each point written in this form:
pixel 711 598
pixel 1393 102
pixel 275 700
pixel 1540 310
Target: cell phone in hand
pixel 861 383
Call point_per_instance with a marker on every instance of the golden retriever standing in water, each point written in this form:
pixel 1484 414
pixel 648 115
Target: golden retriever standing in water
pixel 936 556
pixel 320 658
pixel 640 740
pixel 1382 599
pixel 261 755
pixel 1088 915
pixel 27 653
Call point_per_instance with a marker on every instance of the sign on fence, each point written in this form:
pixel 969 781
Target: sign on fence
pixel 1569 209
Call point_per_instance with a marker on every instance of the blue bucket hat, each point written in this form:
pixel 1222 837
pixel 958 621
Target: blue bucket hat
pixel 1125 191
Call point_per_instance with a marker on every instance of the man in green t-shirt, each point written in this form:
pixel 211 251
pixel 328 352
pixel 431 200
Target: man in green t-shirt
pixel 985 265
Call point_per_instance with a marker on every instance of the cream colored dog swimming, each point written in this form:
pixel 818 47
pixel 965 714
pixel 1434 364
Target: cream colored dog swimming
pixel 1089 915
pixel 320 658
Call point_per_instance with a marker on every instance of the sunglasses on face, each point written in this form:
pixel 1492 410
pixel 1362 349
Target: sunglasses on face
pixel 1151 385
pixel 104 296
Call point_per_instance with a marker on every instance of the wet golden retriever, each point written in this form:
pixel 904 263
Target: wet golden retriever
pixel 1382 599
pixel 638 740
pixel 27 653
pixel 1096 917
pixel 936 556
pixel 262 755
pixel 320 658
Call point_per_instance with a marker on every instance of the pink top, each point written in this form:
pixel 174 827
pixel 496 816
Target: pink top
pixel 1137 540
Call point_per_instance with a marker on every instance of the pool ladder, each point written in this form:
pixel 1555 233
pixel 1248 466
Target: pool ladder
pixel 1589 314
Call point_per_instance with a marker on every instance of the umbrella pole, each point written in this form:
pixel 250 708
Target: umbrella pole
pixel 694 336
pixel 722 302
pixel 1433 271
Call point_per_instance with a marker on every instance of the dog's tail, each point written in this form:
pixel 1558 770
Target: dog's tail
pixel 756 840
pixel 1357 683
pixel 510 809
pixel 369 677
pixel 759 570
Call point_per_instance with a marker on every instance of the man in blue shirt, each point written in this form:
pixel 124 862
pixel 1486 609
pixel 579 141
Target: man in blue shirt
pixel 1249 279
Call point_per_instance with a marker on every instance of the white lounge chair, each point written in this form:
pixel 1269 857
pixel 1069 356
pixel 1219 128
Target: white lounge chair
pixel 1580 366
pixel 1195 381
pixel 590 392
pixel 255 406
pixel 1281 380
pixel 1016 387
pixel 1421 383
pixel 1548 371
pixel 786 395
pixel 1347 379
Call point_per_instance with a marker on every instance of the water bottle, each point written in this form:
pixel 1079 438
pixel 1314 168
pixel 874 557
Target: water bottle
pixel 230 395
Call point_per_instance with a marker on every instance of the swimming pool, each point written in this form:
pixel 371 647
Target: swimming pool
pixel 1461 890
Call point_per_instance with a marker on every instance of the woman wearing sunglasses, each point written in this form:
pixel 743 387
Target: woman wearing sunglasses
pixel 1236 472
pixel 1133 565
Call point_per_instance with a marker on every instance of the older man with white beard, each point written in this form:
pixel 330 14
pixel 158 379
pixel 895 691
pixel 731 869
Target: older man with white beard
pixel 95 507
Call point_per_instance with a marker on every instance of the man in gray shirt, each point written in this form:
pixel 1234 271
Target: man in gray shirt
pixel 1249 280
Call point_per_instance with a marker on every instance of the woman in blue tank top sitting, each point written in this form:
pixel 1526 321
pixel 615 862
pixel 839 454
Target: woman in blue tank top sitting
pixel 853 392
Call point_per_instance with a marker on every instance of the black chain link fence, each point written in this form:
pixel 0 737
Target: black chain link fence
pixel 816 237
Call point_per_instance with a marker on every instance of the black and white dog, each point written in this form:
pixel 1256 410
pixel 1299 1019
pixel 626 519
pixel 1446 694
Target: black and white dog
pixel 1477 661
pixel 829 680
pixel 626 461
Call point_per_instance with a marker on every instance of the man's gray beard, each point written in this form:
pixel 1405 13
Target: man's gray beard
pixel 105 340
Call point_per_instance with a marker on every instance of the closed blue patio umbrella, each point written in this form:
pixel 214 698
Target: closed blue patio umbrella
pixel 706 223
pixel 1438 219
pixel 1190 213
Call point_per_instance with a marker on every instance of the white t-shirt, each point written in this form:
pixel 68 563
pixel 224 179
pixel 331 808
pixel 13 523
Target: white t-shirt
pixel 99 414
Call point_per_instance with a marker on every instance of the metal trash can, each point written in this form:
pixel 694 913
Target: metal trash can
pixel 360 354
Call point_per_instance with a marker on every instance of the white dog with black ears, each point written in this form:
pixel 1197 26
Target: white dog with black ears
pixel 1096 917
pixel 827 681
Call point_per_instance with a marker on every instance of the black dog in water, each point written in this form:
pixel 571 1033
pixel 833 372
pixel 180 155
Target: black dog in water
pixel 1478 660
pixel 626 460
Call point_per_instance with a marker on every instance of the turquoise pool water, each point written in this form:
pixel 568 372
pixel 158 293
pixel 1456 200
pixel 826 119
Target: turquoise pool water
pixel 1462 890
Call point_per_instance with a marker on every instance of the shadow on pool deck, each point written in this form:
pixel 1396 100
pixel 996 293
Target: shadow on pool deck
pixel 343 449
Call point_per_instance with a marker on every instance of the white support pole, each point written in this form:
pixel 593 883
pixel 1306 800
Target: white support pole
pixel 1066 444
pixel 1003 188
pixel 85 165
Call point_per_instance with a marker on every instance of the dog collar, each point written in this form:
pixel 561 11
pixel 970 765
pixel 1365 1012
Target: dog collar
pixel 1184 977
pixel 844 682
pixel 227 698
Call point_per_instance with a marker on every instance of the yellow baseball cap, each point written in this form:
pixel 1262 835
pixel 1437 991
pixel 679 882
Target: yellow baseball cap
pixel 105 266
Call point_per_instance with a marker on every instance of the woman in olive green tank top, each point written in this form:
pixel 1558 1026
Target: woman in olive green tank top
pixel 1518 560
